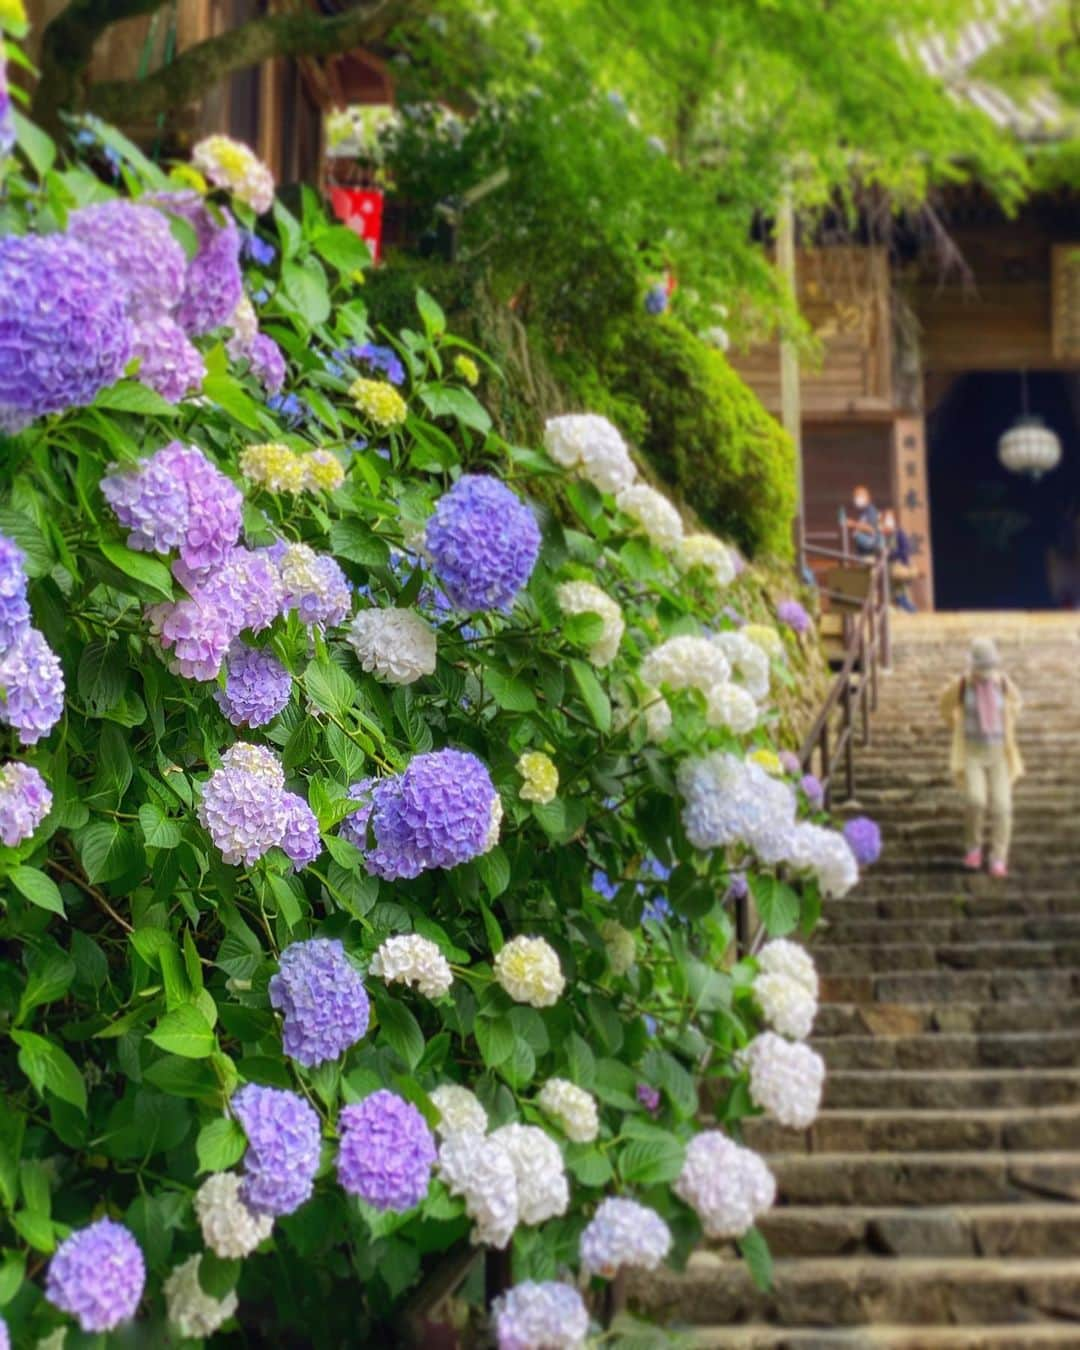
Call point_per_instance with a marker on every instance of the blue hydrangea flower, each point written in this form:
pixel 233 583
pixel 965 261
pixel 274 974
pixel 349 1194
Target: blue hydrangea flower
pixel 387 1152
pixel 267 363
pixel 257 687
pixel 137 243
pixel 656 299
pixel 14 606
pixel 603 885
pixel 282 1155
pixel 656 910
pixel 24 802
pixel 382 359
pixel 242 803
pixel 293 411
pixel 738 888
pixel 33 687
pixel 322 999
pixel 483 542
pixel 864 840
pixel 260 251
pixel 813 790
pixel 66 335
pixel 97 1276
pixel 301 839
pixel 169 364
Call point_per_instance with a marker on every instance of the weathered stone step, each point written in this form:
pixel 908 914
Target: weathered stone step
pixel 1000 1050
pixel 926 1178
pixel 857 958
pixel 1011 1230
pixel 963 986
pixel 864 1291
pixel 936 903
pixel 972 1089
pixel 912 1019
pixel 1025 1336
pixel 944 931
pixel 1018 1129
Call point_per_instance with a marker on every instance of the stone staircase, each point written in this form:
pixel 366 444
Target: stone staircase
pixel 936 1201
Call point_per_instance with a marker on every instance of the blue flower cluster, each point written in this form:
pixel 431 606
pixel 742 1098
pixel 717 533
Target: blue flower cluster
pixel 283 1148
pixel 31 681
pixel 257 686
pixel 323 1001
pixel 483 542
pixel 384 360
pixel 387 1152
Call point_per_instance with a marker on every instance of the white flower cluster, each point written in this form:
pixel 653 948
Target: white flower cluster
pixel 731 706
pixel 394 645
pixel 654 513
pixel 590 444
pixel 540 1316
pixel 827 855
pixel 481 1171
pixel 459 1109
pixel 229 1228
pixel 542 1189
pixel 749 662
pixel 230 164
pixel 582 597
pixel 686 662
pixel 786 988
pixel 193 1312
pixel 528 969
pixel 572 1109
pixel 245 329
pixel 786 1079
pixel 411 959
pixel 705 550
pixel 623 1235
pixel 727 1187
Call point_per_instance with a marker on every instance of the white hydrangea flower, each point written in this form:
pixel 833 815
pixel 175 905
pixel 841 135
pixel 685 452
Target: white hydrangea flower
pixel 245 329
pixel 731 706
pixel 786 1005
pixel 705 550
pixel 543 1191
pixel 749 663
pixel 479 1169
pixel 726 1186
pixel 229 1228
pixel 768 639
pixel 540 1316
pixel 540 777
pixel 786 1079
pixel 686 662
pixel 623 1235
pixel 591 444
pixel 232 165
pixel 654 513
pixel 408 958
pixel 496 824
pixel 658 716
pixel 528 969
pixel 572 1109
pixel 459 1110
pixel 582 597
pixel 781 956
pixel 620 945
pixel 728 801
pixel 827 855
pixel 394 645
pixel 192 1311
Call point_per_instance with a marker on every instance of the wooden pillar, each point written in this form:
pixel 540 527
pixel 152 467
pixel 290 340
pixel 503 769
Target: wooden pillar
pixel 790 403
pixel 911 493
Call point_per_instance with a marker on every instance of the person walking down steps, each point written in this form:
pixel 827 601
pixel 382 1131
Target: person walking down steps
pixel 982 707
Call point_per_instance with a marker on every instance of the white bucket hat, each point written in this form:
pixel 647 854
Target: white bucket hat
pixel 984 656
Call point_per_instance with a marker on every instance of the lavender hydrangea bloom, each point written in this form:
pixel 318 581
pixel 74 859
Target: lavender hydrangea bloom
pixel 387 1152
pixel 33 686
pixel 5 1335
pixel 267 363
pixel 213 283
pixel 738 888
pixel 14 606
pixel 24 802
pixel 540 1316
pixel 322 999
pixel 649 1097
pixel 483 541
pixel 196 633
pixel 354 828
pixel 382 359
pixel 242 803
pixel 137 243
pixel 789 761
pixel 64 335
pixel 257 687
pixel 7 122
pixel 301 839
pixel 169 364
pixel 813 790
pixel 97 1276
pixel 438 813
pixel 603 885
pixel 793 614
pixel 315 586
pixel 283 1148
pixel 864 840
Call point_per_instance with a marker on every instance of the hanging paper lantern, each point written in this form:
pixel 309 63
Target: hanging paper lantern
pixel 1029 446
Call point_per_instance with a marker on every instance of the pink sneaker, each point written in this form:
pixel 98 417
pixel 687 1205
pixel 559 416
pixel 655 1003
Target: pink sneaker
pixel 973 860
pixel 998 869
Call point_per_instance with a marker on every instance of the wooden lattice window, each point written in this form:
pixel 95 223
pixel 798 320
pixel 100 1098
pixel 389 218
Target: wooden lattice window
pixel 1065 301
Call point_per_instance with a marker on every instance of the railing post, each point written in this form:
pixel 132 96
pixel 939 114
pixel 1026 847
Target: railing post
pixel 886 618
pixel 847 731
pixel 826 775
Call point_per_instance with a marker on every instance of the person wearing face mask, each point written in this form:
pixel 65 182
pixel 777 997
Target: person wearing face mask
pixel 982 706
pixel 865 528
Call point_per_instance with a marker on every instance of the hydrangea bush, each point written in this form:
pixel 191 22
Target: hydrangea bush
pixel 370 831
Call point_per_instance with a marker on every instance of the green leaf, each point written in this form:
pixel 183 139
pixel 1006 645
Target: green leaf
pixel 220 1144
pixel 12 1273
pixel 131 396
pixel 353 539
pixel 591 1167
pixel 305 285
pixel 19 526
pixel 462 404
pixel 755 1252
pixel 47 1066
pixel 288 229
pixel 36 887
pixel 651 1162
pixel 777 904
pixel 218 1275
pixel 154 575
pixel 12 1129
pixel 580 1060
pixel 230 394
pixel 38 148
pixel 494 871
pixel 185 1032
pixel 431 313
pixel 495 1037
pixel 342 248
pixel 401 1031
pixel 491 929
pixel 329 688
pixel 158 830
pixel 101 676
pixel 592 694
pixel 49 978
pixel 513 694
pixel 107 851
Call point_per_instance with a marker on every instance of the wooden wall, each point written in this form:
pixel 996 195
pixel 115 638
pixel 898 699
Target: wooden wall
pixel 837 456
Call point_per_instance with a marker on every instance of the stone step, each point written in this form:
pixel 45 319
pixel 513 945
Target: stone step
pixel 1020 1129
pixel 944 931
pixel 1016 1230
pixel 860 958
pixel 865 1291
pixel 882 902
pixel 912 1019
pixel 970 1089
pixel 1021 1050
pixel 964 986
pixel 925 1178
pixel 1025 1336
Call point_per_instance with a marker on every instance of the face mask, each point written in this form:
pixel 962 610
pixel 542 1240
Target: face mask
pixel 861 503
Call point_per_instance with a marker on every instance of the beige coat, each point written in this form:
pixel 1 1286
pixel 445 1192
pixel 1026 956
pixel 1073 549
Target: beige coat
pixel 952 709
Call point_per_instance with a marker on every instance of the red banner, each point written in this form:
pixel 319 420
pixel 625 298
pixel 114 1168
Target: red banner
pixel 361 209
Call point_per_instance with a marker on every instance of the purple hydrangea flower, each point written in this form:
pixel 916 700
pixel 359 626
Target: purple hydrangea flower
pixel 656 299
pixel 242 803
pixel 738 888
pixel 649 1097
pixel 137 243
pixel 813 790
pixel 483 541
pixel 789 761
pixel 315 586
pixel 547 1316
pixel 301 839
pixel 354 828
pixel 170 365
pixel 387 1152
pixel 438 813
pixel 5 1335
pixel 196 634
pixel 14 606
pixel 33 687
pixel 7 122
pixel 864 840
pixel 322 999
pixel 267 363
pixel 213 283
pixel 382 359
pixel 64 335
pixel 792 613
pixel 257 687
pixel 177 499
pixel 24 802
pixel 97 1276
pixel 283 1148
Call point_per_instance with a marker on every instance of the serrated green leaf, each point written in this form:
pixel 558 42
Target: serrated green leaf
pixel 776 903
pixel 305 285
pixel 354 540
pixel 36 887
pixel 50 976
pixel 230 394
pixel 342 248
pixel 49 1067
pixel 329 688
pixel 131 396
pixel 220 1144
pixel 158 830
pixel 653 1162
pixel 184 1032
pixel 107 850
pixel 431 313
pixel 154 575
pixel 102 675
